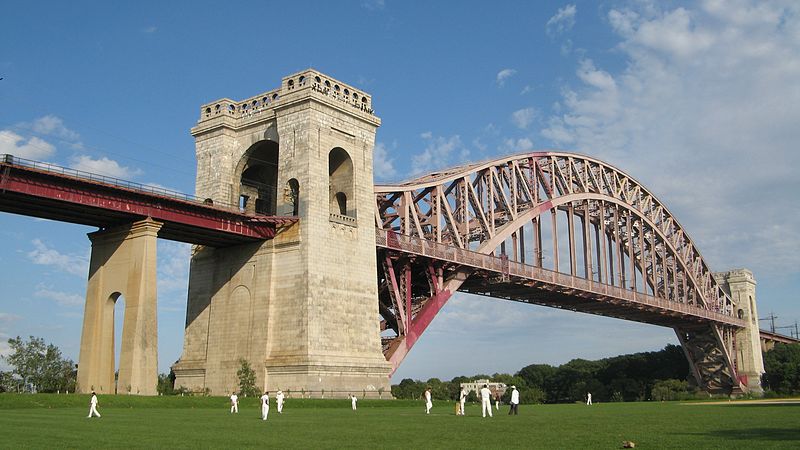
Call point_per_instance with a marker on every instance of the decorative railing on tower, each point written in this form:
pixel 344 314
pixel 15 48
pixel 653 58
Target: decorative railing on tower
pixel 551 228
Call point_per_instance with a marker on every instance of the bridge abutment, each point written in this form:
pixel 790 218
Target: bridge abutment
pixel 123 264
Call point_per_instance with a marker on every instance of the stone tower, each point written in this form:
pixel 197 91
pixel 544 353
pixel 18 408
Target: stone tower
pixel 741 285
pixel 301 308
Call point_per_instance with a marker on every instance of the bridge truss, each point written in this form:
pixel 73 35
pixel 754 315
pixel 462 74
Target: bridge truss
pixel 555 229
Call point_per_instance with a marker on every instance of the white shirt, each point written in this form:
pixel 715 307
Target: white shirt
pixel 279 396
pixel 486 394
pixel 354 399
pixel 265 400
pixel 234 399
pixel 515 397
pixel 428 396
pixel 93 401
pixel 463 394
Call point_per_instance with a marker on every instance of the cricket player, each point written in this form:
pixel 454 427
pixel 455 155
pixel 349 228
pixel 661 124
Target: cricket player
pixel 514 401
pixel 486 400
pixel 588 398
pixel 428 403
pixel 279 401
pixel 265 405
pixel 234 403
pixel 93 406
pixel 353 400
pixel 463 398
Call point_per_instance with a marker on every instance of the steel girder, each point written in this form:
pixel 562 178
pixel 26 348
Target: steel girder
pixel 545 216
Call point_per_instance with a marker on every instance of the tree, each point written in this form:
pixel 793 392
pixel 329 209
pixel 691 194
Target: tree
pixel 782 369
pixel 666 390
pixel 247 379
pixel 40 366
pixel 166 383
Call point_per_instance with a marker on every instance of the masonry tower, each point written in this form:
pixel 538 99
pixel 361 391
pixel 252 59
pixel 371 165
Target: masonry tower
pixel 741 286
pixel 301 308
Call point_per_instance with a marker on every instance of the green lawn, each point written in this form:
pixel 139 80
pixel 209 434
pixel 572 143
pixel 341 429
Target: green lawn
pixel 52 421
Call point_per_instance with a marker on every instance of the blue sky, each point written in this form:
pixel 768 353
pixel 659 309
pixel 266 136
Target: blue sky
pixel 697 100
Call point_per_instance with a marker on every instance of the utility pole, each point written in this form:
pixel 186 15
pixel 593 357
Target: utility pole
pixel 771 317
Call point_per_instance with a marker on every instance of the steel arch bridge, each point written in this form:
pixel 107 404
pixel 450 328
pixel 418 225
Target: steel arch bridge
pixel 550 228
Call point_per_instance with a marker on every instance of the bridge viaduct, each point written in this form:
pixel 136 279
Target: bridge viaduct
pixel 289 233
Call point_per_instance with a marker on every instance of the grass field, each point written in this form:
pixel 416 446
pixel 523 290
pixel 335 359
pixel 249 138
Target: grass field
pixel 59 421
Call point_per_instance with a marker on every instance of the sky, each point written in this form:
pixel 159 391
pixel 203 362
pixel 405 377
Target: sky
pixel 699 101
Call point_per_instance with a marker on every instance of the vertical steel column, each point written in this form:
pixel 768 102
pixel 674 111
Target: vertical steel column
pixel 571 224
pixel 553 213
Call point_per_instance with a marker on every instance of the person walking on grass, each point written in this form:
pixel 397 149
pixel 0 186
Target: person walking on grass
pixel 265 405
pixel 588 398
pixel 428 402
pixel 93 406
pixel 234 403
pixel 514 401
pixel 486 400
pixel 353 400
pixel 279 401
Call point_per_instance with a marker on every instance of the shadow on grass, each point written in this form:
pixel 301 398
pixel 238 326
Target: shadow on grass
pixel 752 434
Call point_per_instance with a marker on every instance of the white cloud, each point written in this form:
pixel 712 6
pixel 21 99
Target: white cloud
pixel 705 114
pixel 62 298
pixel 72 264
pixel 53 126
pixel 383 164
pixel 373 5
pixel 504 75
pixel 8 317
pixel 150 30
pixel 516 145
pixel 173 267
pixel 562 21
pixel 426 135
pixel 103 166
pixel 441 152
pixel 31 148
pixel 523 118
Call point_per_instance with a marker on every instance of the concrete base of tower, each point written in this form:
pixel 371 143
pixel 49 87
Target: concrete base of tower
pixel 329 381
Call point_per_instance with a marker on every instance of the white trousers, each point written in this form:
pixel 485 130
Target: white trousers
pixel 462 405
pixel 235 408
pixel 93 411
pixel 486 405
pixel 280 405
pixel 264 412
pixel 428 406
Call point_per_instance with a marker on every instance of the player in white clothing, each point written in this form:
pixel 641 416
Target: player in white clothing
pixel 514 401
pixel 279 401
pixel 234 403
pixel 428 403
pixel 265 405
pixel 353 400
pixel 463 398
pixel 93 406
pixel 486 400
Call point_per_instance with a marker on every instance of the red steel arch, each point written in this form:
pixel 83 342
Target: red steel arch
pixel 552 228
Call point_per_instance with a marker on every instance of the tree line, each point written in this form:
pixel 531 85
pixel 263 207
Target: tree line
pixel 659 375
pixel 662 375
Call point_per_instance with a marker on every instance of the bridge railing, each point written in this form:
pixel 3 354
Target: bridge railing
pixel 390 239
pixel 116 182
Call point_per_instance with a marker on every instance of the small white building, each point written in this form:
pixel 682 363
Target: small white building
pixel 496 388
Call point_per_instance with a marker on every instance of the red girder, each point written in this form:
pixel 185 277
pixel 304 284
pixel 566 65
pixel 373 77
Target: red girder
pixel 57 196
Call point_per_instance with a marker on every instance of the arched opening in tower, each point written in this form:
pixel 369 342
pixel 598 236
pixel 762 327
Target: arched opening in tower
pixel 258 184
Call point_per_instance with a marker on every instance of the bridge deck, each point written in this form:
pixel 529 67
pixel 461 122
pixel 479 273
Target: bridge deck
pixel 50 192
